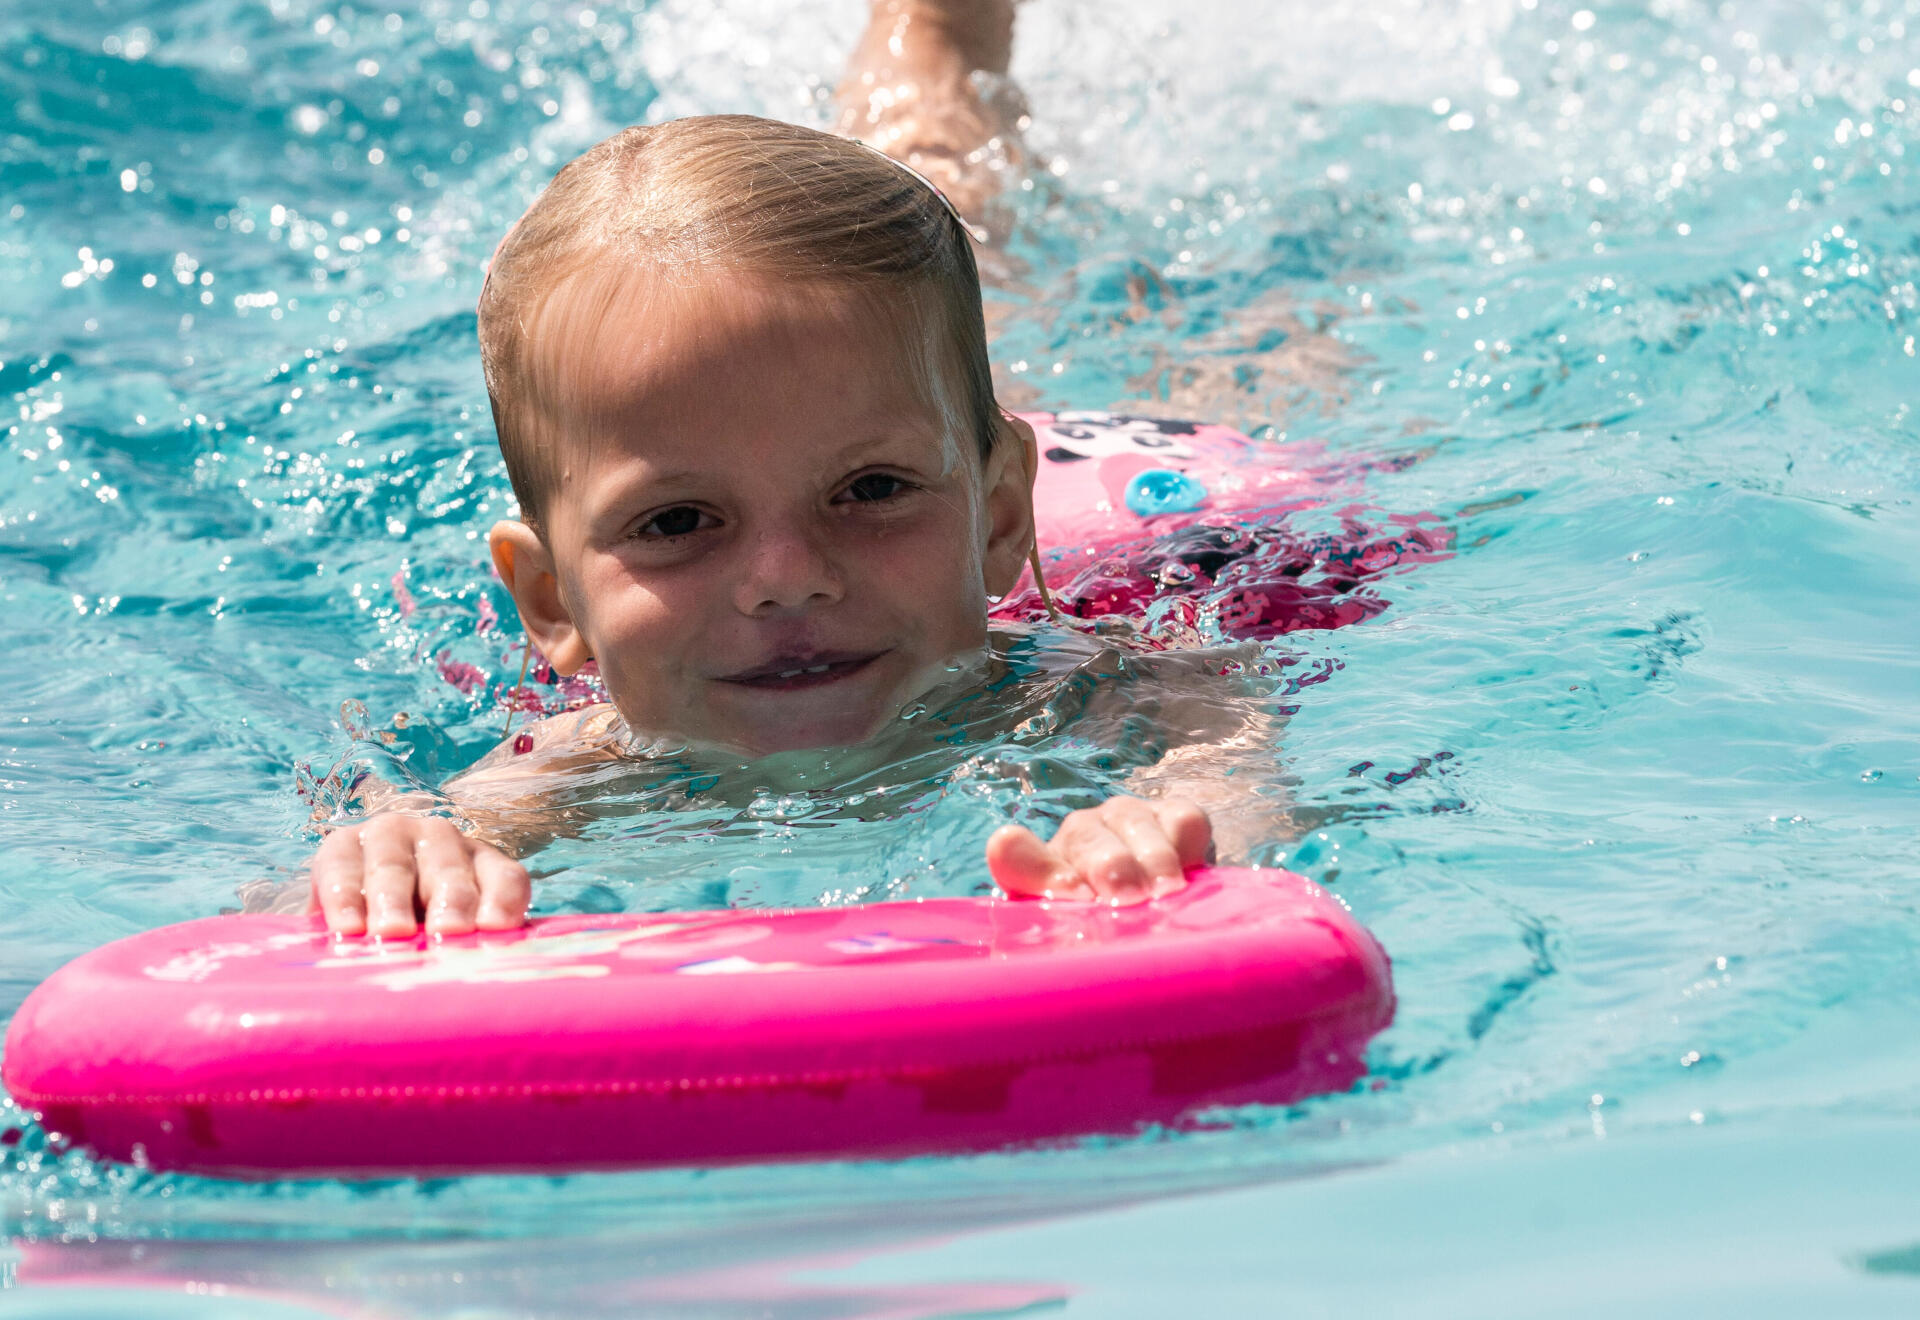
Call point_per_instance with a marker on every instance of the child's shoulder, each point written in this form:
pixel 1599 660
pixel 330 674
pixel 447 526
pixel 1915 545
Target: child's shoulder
pixel 573 737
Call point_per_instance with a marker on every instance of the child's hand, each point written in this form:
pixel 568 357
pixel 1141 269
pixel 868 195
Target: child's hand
pixel 1126 849
pixel 380 876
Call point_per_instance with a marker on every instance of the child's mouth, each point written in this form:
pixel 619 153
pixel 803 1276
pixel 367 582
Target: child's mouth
pixel 789 673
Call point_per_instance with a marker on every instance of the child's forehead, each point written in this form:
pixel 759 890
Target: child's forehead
pixel 658 363
pixel 621 339
pixel 625 351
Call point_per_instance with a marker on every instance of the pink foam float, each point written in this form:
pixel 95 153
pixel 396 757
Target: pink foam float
pixel 258 1046
pixel 1184 524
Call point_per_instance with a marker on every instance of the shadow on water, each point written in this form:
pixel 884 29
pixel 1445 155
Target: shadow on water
pixel 686 1262
pixel 1899 1260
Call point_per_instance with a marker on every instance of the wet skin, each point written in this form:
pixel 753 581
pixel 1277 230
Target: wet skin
pixel 764 533
pixel 768 536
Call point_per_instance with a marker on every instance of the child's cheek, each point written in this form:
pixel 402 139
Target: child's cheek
pixel 934 577
pixel 642 618
pixel 927 557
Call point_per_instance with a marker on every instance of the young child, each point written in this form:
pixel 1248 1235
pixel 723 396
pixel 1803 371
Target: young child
pixel 739 374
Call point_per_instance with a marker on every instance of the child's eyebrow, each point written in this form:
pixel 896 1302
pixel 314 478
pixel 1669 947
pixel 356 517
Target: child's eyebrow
pixel 617 491
pixel 888 438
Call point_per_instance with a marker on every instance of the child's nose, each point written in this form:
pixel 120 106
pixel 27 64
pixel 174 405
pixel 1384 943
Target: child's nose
pixel 786 570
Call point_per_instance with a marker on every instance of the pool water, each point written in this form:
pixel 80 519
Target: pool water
pixel 1628 784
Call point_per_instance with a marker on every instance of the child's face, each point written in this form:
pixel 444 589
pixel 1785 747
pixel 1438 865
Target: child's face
pixel 763 534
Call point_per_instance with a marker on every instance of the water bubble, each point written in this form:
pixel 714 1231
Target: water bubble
pixel 353 719
pixel 1869 776
pixel 1037 726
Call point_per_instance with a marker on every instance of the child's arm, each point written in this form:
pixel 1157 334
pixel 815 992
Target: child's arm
pixel 400 867
pixel 1219 773
pixel 1193 806
pixel 1127 850
pixel 1197 803
pixel 393 871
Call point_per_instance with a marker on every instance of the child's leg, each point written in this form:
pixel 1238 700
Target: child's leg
pixel 909 91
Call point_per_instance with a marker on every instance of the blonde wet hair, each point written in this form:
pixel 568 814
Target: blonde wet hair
pixel 724 194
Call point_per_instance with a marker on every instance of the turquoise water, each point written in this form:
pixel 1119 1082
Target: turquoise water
pixel 1629 786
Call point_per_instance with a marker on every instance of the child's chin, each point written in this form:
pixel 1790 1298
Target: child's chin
pixel 816 734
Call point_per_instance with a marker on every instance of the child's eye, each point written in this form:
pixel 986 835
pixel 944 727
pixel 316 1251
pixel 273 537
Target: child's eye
pixel 873 486
pixel 681 520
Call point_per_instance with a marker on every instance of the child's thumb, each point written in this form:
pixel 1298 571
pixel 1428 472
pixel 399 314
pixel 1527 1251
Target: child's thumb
pixel 1025 867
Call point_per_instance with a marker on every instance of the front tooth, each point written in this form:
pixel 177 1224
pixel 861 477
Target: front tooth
pixel 820 669
pixel 790 673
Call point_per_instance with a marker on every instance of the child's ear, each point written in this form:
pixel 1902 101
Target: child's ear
pixel 525 564
pixel 1009 505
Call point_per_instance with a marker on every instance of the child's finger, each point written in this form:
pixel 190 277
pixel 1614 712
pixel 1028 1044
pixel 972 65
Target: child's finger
pixel 448 889
pixel 387 861
pixel 505 889
pixel 1189 828
pixel 337 881
pixel 1101 858
pixel 1140 828
pixel 1024 867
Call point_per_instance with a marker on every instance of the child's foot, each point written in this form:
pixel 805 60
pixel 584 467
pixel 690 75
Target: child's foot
pixel 911 89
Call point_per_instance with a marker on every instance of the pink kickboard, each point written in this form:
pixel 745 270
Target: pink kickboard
pixel 260 1046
